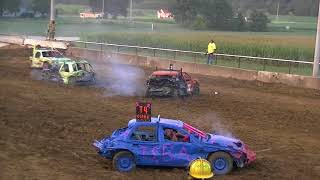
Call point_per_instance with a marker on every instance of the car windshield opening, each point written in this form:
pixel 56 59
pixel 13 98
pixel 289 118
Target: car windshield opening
pixel 51 54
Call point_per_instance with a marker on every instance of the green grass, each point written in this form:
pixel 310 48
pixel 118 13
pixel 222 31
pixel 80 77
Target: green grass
pixel 293 24
pixel 75 26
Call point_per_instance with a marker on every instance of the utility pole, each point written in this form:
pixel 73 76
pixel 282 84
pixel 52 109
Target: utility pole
pixel 103 6
pixel 277 18
pixel 130 17
pixel 52 23
pixel 317 49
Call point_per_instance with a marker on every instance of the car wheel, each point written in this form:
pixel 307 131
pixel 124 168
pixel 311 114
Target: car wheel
pixel 72 81
pixel 93 81
pixel 174 92
pixel 124 161
pixel 221 163
pixel 183 92
pixel 147 95
pixel 45 66
pixel 196 90
pixel 31 64
pixel 45 75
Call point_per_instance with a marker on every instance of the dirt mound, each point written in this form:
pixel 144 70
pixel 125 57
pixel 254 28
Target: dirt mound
pixel 47 129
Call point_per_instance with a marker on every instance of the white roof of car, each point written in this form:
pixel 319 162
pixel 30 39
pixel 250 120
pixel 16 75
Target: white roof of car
pixel 171 122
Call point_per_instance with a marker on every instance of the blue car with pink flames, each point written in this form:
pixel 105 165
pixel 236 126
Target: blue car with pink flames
pixel 171 143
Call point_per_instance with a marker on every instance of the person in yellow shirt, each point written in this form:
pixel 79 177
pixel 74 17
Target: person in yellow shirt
pixel 211 49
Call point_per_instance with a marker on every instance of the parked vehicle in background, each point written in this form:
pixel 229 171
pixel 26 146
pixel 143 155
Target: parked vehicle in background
pixel 164 14
pixel 88 15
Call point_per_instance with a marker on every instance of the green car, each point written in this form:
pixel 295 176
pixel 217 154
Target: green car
pixel 71 72
pixel 45 57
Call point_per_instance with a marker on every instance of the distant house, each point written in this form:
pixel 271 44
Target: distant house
pixel 164 14
pixel 86 15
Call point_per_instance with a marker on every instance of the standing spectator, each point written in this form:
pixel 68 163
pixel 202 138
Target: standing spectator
pixel 51 30
pixel 211 49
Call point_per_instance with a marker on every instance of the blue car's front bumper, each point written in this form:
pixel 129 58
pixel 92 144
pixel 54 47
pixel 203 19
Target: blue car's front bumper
pixel 107 153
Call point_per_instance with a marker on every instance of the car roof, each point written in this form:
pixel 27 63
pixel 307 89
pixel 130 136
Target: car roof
pixel 154 120
pixel 71 61
pixel 166 73
pixel 170 122
pixel 82 61
pixel 46 50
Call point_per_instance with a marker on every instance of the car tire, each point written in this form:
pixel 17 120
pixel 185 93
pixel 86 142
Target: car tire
pixel 174 92
pixel 45 75
pixel 147 94
pixel 183 92
pixel 72 81
pixel 31 64
pixel 221 163
pixel 45 66
pixel 123 161
pixel 196 90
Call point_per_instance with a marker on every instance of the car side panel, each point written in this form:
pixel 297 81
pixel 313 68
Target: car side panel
pixel 146 153
pixel 179 154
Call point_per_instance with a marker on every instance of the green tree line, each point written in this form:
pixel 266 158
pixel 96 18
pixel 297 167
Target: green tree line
pixel 216 14
pixel 296 7
pixel 11 6
pixel 112 7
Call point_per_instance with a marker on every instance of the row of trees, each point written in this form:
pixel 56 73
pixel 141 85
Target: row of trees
pixel 113 7
pixel 13 6
pixel 198 14
pixel 296 7
pixel 41 6
pixel 216 14
pixel 9 5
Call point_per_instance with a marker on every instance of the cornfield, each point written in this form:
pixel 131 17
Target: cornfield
pixel 273 46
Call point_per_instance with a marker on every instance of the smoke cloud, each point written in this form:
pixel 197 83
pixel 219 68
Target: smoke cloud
pixel 119 79
pixel 216 125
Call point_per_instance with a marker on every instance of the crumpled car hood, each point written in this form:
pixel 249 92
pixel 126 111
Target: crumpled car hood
pixel 225 141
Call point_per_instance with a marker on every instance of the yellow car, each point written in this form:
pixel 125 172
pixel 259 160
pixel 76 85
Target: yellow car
pixel 44 57
pixel 71 72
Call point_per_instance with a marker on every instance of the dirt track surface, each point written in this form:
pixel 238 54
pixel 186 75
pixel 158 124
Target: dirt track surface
pixel 47 130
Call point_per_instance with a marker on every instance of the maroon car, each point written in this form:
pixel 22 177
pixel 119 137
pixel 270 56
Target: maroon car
pixel 171 83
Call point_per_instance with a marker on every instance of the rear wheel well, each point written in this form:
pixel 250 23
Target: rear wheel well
pixel 119 150
pixel 221 151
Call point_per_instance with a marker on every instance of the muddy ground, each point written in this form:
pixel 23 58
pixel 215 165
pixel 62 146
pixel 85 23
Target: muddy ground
pixel 47 129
